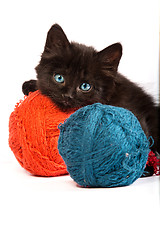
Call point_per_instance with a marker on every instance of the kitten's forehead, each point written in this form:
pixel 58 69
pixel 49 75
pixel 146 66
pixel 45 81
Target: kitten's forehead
pixel 82 47
pixel 82 50
pixel 81 57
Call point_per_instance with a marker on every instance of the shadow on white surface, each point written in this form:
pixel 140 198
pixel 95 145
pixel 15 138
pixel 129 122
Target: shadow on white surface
pixel 56 208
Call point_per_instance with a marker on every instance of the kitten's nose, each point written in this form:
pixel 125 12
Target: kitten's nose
pixel 68 95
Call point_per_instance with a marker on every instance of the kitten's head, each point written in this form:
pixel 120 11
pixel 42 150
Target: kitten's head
pixel 74 75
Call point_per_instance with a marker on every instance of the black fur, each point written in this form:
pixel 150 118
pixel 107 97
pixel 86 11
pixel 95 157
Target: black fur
pixel 79 64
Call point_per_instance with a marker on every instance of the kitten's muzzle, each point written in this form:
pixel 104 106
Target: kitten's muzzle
pixel 68 96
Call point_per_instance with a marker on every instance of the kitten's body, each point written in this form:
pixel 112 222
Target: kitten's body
pixel 79 64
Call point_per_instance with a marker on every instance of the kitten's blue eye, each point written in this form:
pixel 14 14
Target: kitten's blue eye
pixel 85 87
pixel 59 78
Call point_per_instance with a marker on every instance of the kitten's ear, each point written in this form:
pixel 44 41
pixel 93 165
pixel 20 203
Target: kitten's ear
pixel 56 40
pixel 111 56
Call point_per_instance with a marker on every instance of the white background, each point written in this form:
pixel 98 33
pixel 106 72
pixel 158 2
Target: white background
pixel 55 208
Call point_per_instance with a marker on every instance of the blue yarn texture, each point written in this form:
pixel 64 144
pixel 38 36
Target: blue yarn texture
pixel 103 146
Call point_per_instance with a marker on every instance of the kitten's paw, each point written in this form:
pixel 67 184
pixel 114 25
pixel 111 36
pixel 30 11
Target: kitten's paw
pixel 29 86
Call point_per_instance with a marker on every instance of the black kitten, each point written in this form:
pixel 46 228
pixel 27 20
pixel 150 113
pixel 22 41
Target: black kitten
pixel 73 75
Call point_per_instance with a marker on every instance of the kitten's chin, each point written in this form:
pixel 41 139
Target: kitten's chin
pixel 66 106
pixel 70 106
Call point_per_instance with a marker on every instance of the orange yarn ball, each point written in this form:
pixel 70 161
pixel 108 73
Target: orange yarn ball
pixel 34 133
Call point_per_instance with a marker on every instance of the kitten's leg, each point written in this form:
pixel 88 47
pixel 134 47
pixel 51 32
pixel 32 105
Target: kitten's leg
pixel 29 86
pixel 148 171
pixel 154 124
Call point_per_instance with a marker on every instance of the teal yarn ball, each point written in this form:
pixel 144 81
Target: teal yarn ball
pixel 103 146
